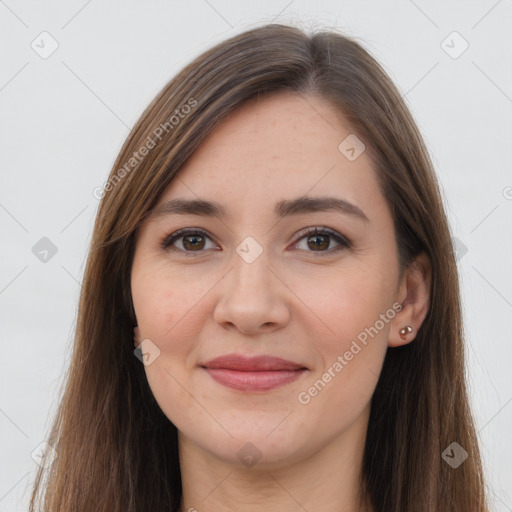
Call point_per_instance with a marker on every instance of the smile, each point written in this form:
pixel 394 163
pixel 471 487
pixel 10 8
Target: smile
pixel 254 381
pixel 260 373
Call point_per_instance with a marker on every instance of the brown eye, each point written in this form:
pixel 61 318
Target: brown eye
pixel 320 240
pixel 187 241
pixel 192 242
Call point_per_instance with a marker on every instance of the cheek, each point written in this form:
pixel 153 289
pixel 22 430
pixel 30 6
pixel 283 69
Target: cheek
pixel 356 308
pixel 346 303
pixel 164 301
pixel 168 310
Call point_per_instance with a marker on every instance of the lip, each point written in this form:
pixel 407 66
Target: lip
pixel 251 363
pixel 258 373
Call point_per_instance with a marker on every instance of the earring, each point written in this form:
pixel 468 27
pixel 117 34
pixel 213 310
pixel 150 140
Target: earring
pixel 404 331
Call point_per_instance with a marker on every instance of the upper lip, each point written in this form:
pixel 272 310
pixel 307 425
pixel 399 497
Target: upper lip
pixel 252 363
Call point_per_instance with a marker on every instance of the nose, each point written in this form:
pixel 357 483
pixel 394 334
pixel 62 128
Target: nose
pixel 252 298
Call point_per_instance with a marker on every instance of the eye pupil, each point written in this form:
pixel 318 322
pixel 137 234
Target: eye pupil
pixel 193 240
pixel 320 245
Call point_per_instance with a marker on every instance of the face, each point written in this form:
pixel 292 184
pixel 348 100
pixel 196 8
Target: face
pixel 255 279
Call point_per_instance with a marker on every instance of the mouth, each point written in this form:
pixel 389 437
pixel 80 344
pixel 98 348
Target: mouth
pixel 260 373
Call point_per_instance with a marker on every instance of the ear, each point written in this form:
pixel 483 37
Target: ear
pixel 414 296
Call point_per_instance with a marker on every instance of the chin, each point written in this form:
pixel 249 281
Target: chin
pixel 254 448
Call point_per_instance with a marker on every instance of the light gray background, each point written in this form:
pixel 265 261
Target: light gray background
pixel 65 117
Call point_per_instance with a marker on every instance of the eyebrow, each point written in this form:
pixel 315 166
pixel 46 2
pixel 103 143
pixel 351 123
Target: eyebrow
pixel 283 208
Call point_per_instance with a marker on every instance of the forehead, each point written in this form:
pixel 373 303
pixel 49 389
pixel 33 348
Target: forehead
pixel 273 148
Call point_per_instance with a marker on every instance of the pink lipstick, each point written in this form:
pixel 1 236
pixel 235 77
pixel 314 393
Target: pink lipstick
pixel 260 373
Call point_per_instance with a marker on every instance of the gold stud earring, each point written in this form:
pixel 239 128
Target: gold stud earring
pixel 404 331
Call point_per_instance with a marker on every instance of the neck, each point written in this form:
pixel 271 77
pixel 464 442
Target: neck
pixel 327 480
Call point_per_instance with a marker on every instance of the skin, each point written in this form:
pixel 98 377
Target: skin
pixel 294 301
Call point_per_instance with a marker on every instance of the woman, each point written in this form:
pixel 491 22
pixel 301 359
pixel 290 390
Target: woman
pixel 270 314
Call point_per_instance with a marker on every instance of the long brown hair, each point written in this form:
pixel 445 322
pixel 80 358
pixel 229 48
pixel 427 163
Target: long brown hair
pixel 117 451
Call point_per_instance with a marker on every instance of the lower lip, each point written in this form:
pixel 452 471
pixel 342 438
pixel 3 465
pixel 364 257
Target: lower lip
pixel 253 381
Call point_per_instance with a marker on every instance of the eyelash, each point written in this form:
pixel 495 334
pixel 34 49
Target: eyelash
pixel 344 243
